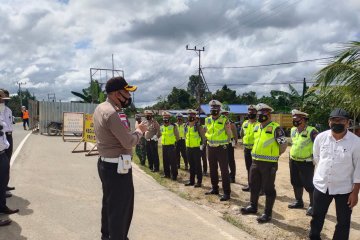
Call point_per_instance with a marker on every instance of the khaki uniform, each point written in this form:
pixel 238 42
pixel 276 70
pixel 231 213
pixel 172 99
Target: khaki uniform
pixel 114 139
pixel 152 136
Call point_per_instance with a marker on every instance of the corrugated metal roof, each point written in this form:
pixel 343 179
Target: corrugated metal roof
pixel 234 108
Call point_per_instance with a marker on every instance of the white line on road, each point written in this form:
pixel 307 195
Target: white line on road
pixel 16 153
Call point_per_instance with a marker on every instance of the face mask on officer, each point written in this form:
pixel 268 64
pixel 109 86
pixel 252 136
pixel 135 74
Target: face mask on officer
pixel 252 115
pixel 179 119
pixel 297 123
pixel 138 120
pixel 191 119
pixel 263 117
pixel 214 112
pixel 126 103
pixel 166 120
pixel 148 117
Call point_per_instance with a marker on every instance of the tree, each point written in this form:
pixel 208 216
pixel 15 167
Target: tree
pixel 341 78
pixel 179 99
pixel 197 86
pixel 226 95
pixel 92 94
pixel 248 98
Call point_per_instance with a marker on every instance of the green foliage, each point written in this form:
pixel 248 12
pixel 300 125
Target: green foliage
pixel 92 94
pixel 341 78
pixel 15 104
pixel 226 95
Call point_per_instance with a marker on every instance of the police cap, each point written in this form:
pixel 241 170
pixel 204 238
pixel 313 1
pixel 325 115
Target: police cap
pixel 148 112
pixel 3 95
pixel 166 114
pixel 295 112
pixel 191 111
pixel 118 83
pixel 263 106
pixel 215 104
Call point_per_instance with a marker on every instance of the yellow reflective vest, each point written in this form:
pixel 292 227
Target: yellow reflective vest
pixel 181 130
pixel 248 130
pixel 192 136
pixel 168 134
pixel 265 148
pixel 302 145
pixel 216 132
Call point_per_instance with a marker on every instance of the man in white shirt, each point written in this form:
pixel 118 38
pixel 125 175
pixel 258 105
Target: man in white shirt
pixel 8 129
pixel 337 175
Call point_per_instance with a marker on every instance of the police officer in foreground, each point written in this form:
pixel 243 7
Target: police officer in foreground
pixel 180 144
pixel 4 162
pixel 247 134
pixel 114 142
pixel 301 159
pixel 8 129
pixel 141 146
pixel 218 133
pixel 233 142
pixel 270 143
pixel 152 136
pixel 169 136
pixel 194 135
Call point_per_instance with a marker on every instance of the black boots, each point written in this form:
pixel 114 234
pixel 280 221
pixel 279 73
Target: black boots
pixel 310 211
pixel 251 209
pixel 298 196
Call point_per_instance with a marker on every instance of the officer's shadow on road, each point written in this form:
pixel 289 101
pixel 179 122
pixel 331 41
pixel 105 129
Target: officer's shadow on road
pixel 12 232
pixel 20 203
pixel 299 231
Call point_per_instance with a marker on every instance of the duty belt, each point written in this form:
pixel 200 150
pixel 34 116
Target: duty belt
pixel 109 160
pixel 8 133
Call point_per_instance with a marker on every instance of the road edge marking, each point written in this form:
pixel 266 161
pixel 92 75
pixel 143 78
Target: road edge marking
pixel 18 149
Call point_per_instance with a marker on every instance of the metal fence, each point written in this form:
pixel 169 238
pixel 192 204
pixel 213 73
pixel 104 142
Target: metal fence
pixel 53 111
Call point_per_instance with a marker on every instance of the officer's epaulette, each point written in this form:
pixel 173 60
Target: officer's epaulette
pixel 269 129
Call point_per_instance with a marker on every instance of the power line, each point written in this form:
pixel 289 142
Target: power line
pixel 257 83
pixel 268 65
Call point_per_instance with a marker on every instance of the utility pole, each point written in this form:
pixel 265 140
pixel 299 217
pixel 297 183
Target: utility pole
pixel 20 94
pixel 198 51
pixel 112 57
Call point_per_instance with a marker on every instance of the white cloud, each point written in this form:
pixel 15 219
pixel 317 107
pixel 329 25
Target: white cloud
pixel 52 44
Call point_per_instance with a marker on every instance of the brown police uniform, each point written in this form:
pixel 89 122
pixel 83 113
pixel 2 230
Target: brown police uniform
pixel 152 136
pixel 114 139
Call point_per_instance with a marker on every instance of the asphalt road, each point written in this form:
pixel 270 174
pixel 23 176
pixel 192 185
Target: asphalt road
pixel 59 197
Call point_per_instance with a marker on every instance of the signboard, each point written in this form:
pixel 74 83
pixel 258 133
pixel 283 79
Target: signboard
pixel 73 123
pixel 89 133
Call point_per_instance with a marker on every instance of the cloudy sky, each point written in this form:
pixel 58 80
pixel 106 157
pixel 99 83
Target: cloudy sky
pixel 51 44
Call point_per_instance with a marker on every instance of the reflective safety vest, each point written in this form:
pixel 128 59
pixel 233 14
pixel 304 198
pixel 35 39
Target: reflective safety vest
pixel 302 145
pixel 168 134
pixel 215 131
pixel 265 148
pixel 25 114
pixel 192 136
pixel 181 130
pixel 248 130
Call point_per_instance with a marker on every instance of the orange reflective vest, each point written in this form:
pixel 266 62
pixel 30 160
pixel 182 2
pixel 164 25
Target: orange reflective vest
pixel 25 114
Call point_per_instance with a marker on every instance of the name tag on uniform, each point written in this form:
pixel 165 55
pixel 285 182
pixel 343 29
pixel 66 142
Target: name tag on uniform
pixel 124 119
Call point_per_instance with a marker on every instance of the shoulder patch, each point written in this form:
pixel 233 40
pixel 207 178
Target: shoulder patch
pixel 124 120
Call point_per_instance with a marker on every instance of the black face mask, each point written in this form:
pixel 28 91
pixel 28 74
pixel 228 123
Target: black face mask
pixel 138 120
pixel 126 103
pixel 166 120
pixel 191 119
pixel 337 127
pixel 148 117
pixel 6 102
pixel 214 112
pixel 263 118
pixel 296 123
pixel 251 115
